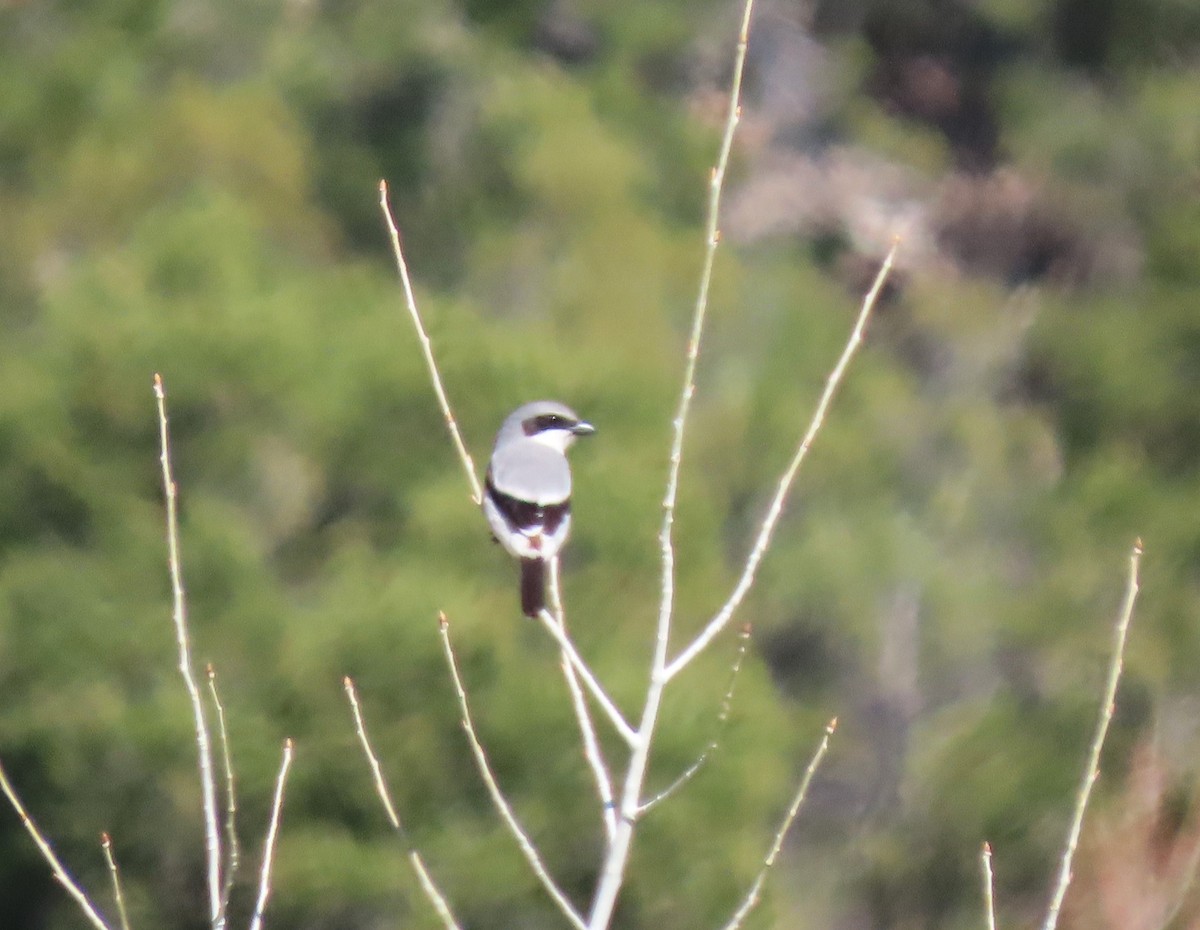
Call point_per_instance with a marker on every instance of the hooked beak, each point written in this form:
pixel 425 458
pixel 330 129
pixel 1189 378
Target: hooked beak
pixel 583 429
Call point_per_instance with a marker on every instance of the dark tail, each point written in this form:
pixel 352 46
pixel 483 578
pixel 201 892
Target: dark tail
pixel 533 586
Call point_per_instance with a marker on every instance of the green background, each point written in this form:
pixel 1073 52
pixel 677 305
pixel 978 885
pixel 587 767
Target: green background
pixel 190 188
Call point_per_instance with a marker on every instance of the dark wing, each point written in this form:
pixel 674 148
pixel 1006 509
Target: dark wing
pixel 527 515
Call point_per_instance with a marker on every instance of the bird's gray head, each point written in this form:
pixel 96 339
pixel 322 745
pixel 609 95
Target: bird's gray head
pixel 545 421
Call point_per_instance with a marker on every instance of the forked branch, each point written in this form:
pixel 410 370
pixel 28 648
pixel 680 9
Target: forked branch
pixel 712 236
pixel 612 871
pixel 179 614
pixel 767 528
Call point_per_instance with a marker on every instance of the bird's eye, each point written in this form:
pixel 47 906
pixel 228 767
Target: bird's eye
pixel 546 422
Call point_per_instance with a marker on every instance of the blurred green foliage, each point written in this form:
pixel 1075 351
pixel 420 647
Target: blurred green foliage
pixel 190 189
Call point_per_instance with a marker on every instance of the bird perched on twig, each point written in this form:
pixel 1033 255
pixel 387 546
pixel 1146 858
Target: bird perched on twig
pixel 527 498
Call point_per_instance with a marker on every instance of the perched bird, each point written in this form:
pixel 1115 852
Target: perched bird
pixel 527 498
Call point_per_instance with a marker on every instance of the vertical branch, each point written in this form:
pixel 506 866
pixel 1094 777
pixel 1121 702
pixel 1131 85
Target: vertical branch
pixel 752 897
pixel 427 347
pixel 989 904
pixel 1092 771
pixel 49 855
pixel 233 849
pixel 106 845
pixel 712 237
pixel 432 892
pixel 767 529
pixel 179 613
pixel 587 730
pixel 264 878
pixel 612 871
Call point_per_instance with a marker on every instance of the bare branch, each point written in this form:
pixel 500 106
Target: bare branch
pixel 432 892
pixel 712 237
pixel 264 878
pixel 233 848
pixel 427 347
pixel 502 806
pixel 589 679
pixel 49 855
pixel 713 744
pixel 767 529
pixel 612 870
pixel 752 898
pixel 360 728
pixel 1092 771
pixel 985 863
pixel 587 730
pixel 179 613
pixel 106 845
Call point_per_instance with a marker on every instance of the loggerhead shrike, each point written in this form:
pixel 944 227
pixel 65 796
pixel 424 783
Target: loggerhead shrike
pixel 527 499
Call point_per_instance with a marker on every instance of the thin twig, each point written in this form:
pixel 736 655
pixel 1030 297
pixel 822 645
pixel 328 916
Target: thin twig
pixel 106 845
pixel 612 870
pixel 264 877
pixel 432 892
pixel 712 238
pixel 427 346
pixel 179 614
pixel 48 854
pixel 587 730
pixel 767 529
pixel 589 679
pixel 989 894
pixel 1092 771
pixel 376 770
pixel 713 744
pixel 752 897
pixel 502 806
pixel 233 847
